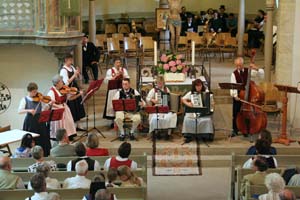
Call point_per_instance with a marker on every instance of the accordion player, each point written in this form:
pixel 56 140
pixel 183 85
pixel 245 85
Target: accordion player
pixel 160 96
pixel 198 109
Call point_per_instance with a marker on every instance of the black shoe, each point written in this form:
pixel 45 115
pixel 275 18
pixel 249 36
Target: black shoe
pixel 158 136
pixel 131 137
pixel 167 137
pixel 246 135
pixel 80 129
pixel 188 140
pixel 121 137
pixel 234 133
pixel 112 125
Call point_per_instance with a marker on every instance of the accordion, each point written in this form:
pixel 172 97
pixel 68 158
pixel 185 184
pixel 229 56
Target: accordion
pixel 203 100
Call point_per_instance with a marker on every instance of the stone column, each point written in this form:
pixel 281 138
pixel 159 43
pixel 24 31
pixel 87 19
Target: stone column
pixel 269 39
pixel 78 55
pixel 92 21
pixel 288 55
pixel 164 35
pixel 241 28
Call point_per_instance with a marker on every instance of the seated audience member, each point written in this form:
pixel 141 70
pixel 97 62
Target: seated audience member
pixel 51 183
pixel 122 159
pixel 38 183
pixel 112 176
pixel 98 182
pixel 260 167
pixel 295 180
pixel 265 135
pixel 53 196
pixel 231 24
pixel 38 155
pixel 128 178
pixel 93 165
pixel 63 148
pixel 104 194
pixel 24 151
pixel 275 185
pixel 7 179
pixel 216 24
pixel 189 26
pixel 80 180
pixel 287 194
pixel 288 173
pixel 92 146
pixel 262 149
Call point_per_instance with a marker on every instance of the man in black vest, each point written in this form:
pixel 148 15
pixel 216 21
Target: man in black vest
pixel 93 165
pixel 128 93
pixel 90 58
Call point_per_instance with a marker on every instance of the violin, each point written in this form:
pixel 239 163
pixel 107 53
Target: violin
pixel 40 98
pixel 68 90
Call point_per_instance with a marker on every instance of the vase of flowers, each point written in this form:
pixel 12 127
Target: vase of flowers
pixel 173 67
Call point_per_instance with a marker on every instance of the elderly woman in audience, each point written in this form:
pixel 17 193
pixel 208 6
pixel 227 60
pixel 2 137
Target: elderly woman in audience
pixel 24 151
pixel 80 180
pixel 264 135
pixel 92 146
pixel 38 154
pixel 93 165
pixel 262 149
pixel 51 183
pixel 128 178
pixel 275 185
pixel 38 183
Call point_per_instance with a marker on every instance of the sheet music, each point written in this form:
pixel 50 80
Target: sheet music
pixel 196 100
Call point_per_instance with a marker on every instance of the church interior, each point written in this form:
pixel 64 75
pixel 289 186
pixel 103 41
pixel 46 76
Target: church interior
pixel 36 36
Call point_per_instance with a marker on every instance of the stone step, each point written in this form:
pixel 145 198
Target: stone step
pixel 223 99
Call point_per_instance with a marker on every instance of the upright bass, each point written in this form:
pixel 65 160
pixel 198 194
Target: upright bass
pixel 251 119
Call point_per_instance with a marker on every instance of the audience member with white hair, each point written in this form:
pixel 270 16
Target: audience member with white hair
pixel 38 154
pixel 80 180
pixel 7 179
pixel 51 183
pixel 275 184
pixel 38 183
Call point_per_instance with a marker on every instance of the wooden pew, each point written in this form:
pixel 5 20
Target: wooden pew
pixel 258 190
pixel 21 164
pixel 125 193
pixel 242 172
pixel 61 176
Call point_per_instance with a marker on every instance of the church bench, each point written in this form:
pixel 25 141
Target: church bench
pixel 61 176
pixel 243 172
pixel 21 164
pixel 122 193
pixel 261 189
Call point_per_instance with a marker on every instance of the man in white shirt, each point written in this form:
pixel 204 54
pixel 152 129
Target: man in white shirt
pixel 80 180
pixel 38 184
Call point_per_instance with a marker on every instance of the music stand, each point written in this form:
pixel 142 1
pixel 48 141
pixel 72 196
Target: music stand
pixel 200 112
pixel 283 139
pixel 92 89
pixel 126 105
pixel 156 110
pixel 232 86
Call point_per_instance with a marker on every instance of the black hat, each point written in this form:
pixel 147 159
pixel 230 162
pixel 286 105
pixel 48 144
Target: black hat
pixel 222 7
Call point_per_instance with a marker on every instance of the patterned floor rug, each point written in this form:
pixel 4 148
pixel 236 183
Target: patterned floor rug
pixel 172 159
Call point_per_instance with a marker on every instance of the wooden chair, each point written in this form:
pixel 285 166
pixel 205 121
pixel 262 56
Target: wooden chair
pixel 3 129
pixel 230 46
pixel 102 46
pixel 123 28
pixel 182 46
pixel 130 49
pixel 110 28
pixel 147 48
pixel 113 49
pixel 214 44
pixel 200 44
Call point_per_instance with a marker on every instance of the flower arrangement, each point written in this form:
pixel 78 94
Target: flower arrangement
pixel 171 63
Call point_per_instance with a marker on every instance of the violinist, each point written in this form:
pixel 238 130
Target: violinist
pixel 240 75
pixel 154 97
pixel 60 99
pixel 70 76
pixel 32 105
pixel 117 72
pixel 127 93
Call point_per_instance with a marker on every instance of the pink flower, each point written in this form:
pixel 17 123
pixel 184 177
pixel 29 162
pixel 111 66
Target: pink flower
pixel 164 58
pixel 183 64
pixel 179 56
pixel 172 63
pixel 166 67
pixel 178 62
pixel 185 70
pixel 173 69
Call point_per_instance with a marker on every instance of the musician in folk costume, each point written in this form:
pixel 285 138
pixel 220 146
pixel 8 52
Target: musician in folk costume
pixel 69 75
pixel 196 98
pixel 158 96
pixel 117 72
pixel 128 93
pixel 32 109
pixel 60 100
pixel 240 75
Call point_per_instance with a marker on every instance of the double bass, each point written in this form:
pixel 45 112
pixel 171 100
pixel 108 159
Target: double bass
pixel 251 119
